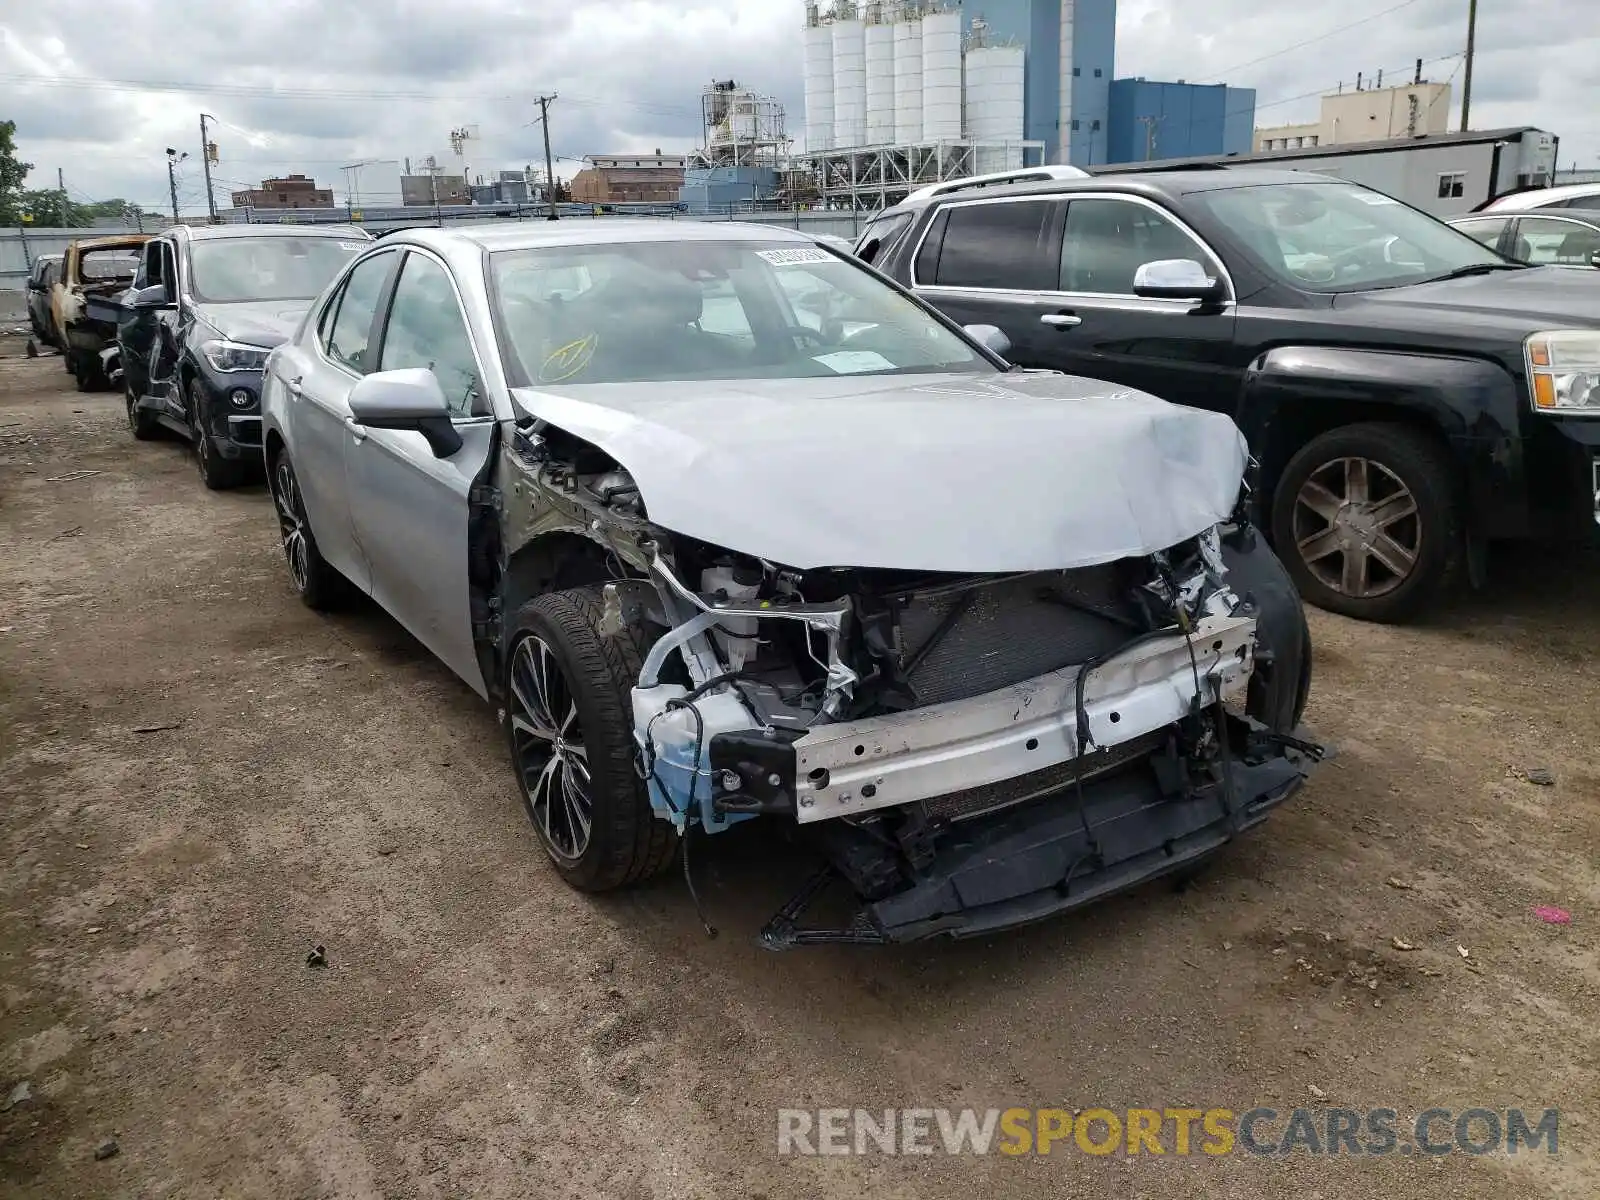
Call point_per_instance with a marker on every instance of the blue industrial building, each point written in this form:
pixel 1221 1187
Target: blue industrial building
pixel 1037 25
pixel 1150 120
pixel 718 189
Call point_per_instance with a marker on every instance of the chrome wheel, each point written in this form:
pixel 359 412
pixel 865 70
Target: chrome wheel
pixel 1357 528
pixel 202 442
pixel 548 746
pixel 292 525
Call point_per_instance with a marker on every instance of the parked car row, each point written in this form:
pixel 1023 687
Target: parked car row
pixel 726 525
pixel 1410 394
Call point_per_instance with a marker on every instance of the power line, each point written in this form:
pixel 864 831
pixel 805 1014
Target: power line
pixel 1313 40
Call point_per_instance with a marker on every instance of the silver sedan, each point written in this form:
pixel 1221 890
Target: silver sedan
pixel 730 527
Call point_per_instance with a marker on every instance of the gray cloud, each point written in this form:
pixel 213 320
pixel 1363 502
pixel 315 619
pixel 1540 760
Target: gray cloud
pixel 344 80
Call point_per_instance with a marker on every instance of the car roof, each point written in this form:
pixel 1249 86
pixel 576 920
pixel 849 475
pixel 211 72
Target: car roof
pixel 1585 216
pixel 206 233
pixel 498 236
pixel 1160 183
pixel 1543 197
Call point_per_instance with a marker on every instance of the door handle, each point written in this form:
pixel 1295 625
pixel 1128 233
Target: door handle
pixel 293 387
pixel 1061 320
pixel 357 432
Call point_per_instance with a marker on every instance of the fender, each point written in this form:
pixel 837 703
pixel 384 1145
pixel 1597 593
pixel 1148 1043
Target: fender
pixel 1293 393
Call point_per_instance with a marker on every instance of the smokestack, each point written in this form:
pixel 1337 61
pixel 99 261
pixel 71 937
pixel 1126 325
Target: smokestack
pixel 1358 81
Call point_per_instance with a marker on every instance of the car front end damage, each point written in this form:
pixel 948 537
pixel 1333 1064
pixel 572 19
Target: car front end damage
pixel 966 752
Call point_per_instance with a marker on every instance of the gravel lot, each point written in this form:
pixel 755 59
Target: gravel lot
pixel 201 780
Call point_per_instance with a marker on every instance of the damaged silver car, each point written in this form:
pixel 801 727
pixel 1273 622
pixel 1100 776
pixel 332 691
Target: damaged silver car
pixel 730 527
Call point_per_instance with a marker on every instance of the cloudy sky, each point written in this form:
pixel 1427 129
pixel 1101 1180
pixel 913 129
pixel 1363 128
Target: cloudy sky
pixel 100 90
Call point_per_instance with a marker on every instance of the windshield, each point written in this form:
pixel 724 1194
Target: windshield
pixel 686 310
pixel 222 270
pixel 1337 237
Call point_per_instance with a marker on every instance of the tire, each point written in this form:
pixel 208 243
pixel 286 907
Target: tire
pixel 143 425
pixel 86 372
pixel 319 584
pixel 587 681
pixel 1424 537
pixel 217 473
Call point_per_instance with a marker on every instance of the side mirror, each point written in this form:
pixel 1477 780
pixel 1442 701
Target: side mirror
pixel 1176 279
pixel 409 399
pixel 991 337
pixel 153 297
pixel 35 286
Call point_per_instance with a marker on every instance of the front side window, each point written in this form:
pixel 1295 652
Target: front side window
pixel 223 270
pixel 426 329
pixel 1546 242
pixel 995 245
pixel 702 310
pixel 1107 241
pixel 1340 237
pixel 347 321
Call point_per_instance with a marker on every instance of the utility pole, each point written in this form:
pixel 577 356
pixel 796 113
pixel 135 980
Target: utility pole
pixel 61 190
pixel 1466 76
pixel 1149 123
pixel 205 159
pixel 549 160
pixel 173 159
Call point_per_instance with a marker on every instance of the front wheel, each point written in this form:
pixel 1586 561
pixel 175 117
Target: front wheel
pixel 141 423
pixel 319 584
pixel 217 473
pixel 1367 520
pixel 569 726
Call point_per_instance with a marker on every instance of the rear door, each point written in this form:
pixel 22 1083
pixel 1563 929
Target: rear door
pixel 410 509
pixel 988 262
pixel 318 380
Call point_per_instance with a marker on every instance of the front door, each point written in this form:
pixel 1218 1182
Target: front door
pixel 318 382
pixel 1179 350
pixel 410 508
pixel 139 328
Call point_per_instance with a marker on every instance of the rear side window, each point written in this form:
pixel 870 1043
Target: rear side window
pixel 347 321
pixel 995 245
pixel 1487 231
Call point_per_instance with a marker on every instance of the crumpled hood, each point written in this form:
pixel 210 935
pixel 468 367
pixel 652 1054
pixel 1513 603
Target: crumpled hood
pixel 961 473
pixel 255 323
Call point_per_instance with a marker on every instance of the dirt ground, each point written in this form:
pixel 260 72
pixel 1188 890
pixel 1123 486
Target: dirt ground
pixel 200 780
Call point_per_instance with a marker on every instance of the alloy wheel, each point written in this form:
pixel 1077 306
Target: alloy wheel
pixel 1357 527
pixel 548 745
pixel 292 525
pixel 202 442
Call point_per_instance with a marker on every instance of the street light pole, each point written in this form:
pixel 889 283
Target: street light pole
pixel 173 159
pixel 1466 77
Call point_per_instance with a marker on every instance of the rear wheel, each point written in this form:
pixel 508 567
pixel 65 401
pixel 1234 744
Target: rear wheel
pixel 320 585
pixel 569 726
pixel 1367 521
pixel 217 473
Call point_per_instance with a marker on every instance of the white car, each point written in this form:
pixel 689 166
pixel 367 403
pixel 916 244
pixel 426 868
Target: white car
pixel 730 527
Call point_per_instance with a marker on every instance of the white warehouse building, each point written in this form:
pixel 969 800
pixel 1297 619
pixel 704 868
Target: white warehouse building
pixel 900 94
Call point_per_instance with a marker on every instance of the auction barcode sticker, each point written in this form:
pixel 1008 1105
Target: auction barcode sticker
pixel 788 258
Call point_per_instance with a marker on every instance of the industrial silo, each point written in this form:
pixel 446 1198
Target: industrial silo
pixel 879 42
pixel 849 80
pixel 995 96
pixel 907 80
pixel 819 82
pixel 941 76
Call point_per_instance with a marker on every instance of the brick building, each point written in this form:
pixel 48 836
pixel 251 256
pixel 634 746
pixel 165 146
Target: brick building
pixel 292 191
pixel 629 179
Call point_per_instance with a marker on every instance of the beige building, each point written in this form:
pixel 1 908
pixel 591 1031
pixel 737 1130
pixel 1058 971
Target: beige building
pixel 1368 115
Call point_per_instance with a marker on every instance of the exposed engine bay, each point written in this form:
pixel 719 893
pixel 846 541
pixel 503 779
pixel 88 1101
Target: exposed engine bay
pixel 1100 725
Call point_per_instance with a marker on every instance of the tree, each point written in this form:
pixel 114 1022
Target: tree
pixel 12 173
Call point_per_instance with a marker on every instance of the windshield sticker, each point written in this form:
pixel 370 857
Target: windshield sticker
pixel 854 362
pixel 1375 198
pixel 789 258
pixel 352 245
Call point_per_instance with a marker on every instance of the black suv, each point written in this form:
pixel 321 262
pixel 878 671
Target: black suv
pixel 206 307
pixel 1410 394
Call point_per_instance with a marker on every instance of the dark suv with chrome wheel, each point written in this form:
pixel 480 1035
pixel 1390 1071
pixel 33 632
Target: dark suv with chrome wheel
pixel 1410 394
pixel 207 306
